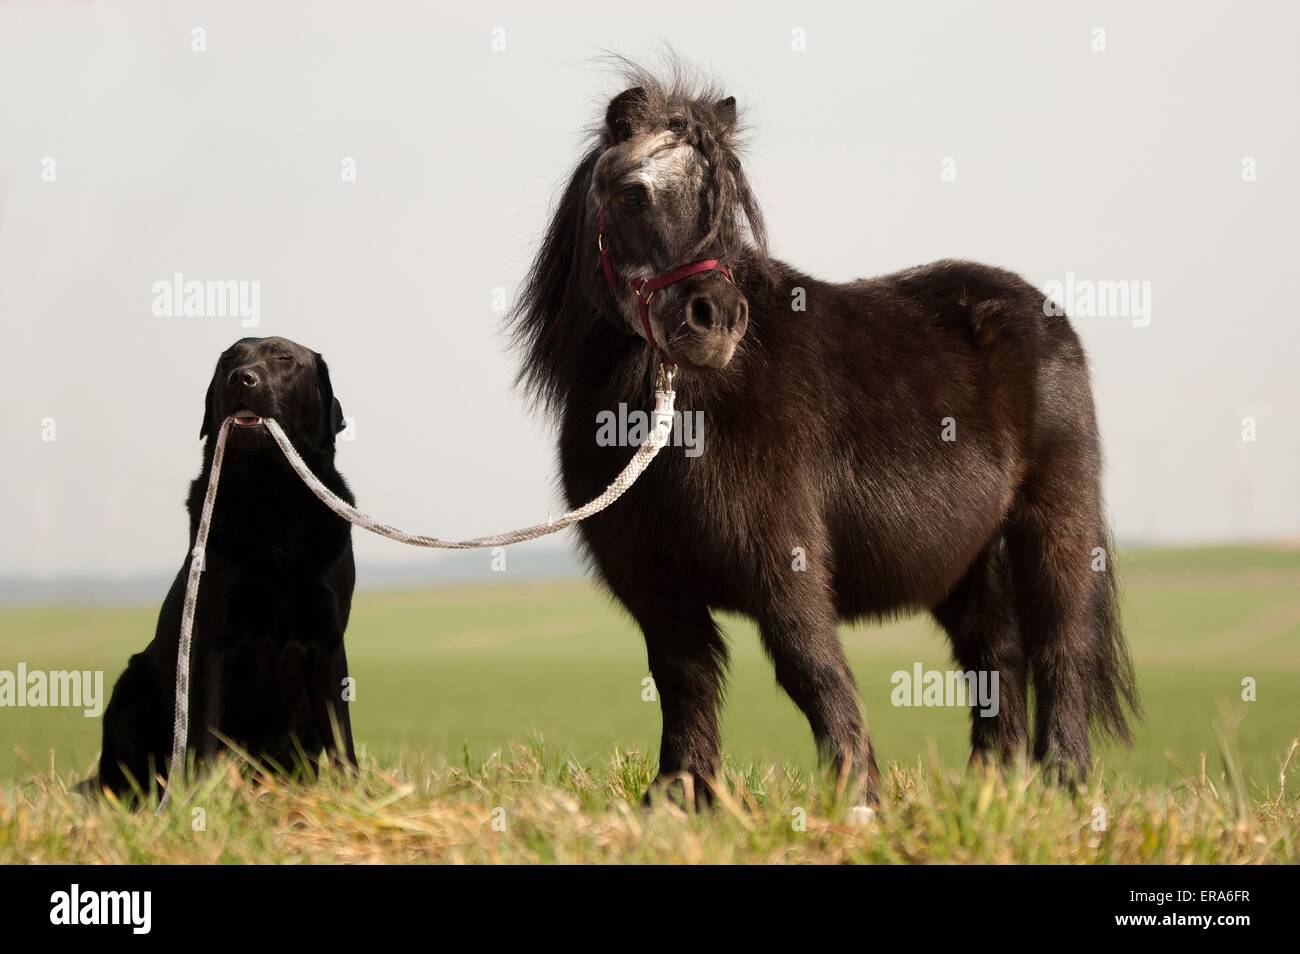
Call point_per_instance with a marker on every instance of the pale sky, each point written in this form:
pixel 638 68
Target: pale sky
pixel 1117 165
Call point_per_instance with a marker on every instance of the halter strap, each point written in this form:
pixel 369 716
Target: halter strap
pixel 644 288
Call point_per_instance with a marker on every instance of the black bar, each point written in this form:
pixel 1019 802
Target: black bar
pixel 203 904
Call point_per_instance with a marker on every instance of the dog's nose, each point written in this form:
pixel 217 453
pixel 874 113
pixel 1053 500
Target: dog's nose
pixel 245 376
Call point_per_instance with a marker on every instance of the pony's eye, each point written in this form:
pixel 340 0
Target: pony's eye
pixel 677 125
pixel 633 197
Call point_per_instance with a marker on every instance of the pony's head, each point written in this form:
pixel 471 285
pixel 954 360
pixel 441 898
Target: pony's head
pixel 662 187
pixel 667 191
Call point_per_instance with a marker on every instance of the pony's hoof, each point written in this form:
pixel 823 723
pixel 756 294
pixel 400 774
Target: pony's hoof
pixel 685 790
pixel 862 815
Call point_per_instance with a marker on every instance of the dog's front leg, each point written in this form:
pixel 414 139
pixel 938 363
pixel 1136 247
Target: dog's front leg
pixel 207 705
pixel 330 692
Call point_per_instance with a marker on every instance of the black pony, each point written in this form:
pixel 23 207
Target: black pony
pixel 921 441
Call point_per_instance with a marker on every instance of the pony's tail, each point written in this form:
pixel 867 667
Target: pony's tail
pixel 1113 686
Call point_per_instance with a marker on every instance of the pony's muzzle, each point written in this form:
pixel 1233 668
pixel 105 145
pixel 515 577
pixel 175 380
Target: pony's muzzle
pixel 713 318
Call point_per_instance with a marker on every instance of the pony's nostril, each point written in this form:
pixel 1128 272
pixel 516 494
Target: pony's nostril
pixel 699 311
pixel 741 316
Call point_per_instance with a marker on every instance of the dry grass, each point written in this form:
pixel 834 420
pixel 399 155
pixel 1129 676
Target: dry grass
pixel 538 806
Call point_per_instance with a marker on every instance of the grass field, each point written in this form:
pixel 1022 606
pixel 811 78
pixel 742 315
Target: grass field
pixel 528 698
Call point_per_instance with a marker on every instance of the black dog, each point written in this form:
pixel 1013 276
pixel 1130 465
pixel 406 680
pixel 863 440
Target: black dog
pixel 268 669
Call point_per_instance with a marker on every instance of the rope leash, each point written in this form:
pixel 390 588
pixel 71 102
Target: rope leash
pixel 181 726
pixel 655 441
pixel 663 422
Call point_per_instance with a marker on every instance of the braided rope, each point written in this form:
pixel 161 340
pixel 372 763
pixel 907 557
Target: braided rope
pixel 658 437
pixel 655 441
pixel 181 723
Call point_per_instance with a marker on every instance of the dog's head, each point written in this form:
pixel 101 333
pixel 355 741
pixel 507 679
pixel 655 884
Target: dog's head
pixel 258 378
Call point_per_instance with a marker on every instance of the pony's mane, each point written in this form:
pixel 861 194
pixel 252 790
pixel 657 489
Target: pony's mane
pixel 679 89
pixel 560 303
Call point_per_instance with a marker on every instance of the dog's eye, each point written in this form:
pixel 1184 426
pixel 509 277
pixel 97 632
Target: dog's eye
pixel 284 358
pixel 633 197
pixel 677 126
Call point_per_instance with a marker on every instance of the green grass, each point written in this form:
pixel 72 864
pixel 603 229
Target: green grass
pixel 534 804
pixel 448 678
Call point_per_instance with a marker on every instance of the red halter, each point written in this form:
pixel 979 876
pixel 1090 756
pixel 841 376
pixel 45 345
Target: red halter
pixel 648 286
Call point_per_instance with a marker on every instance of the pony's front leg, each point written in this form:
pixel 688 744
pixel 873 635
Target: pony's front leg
pixel 798 630
pixel 688 660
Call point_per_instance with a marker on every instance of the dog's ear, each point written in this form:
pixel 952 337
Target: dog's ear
pixel 205 430
pixel 332 421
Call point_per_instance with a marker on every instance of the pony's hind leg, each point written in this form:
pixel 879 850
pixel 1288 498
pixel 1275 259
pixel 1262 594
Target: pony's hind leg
pixel 980 619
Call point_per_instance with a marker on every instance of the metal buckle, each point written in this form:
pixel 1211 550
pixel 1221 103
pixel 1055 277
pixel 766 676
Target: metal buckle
pixel 637 285
pixel 664 377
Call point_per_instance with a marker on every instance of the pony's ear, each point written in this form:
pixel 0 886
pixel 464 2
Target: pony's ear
pixel 331 410
pixel 624 114
pixel 205 429
pixel 726 110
